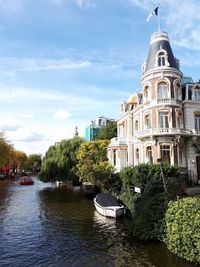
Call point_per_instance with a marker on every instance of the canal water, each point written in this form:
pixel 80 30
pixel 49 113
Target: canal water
pixel 48 226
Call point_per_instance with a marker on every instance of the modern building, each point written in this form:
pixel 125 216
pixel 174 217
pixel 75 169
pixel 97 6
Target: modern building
pixel 93 129
pixel 163 121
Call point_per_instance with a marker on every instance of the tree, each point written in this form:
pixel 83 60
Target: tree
pixel 34 162
pixel 108 132
pixel 60 161
pixel 6 151
pixel 19 160
pixel 93 165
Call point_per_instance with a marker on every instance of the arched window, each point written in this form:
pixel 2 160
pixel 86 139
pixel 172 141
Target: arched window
pixel 162 90
pixel 165 153
pixel 162 59
pixel 136 126
pixel 178 92
pixel 149 154
pixel 146 94
pixel 147 121
pixel 137 156
pixel 164 119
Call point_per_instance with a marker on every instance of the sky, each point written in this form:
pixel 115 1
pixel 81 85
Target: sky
pixel 66 62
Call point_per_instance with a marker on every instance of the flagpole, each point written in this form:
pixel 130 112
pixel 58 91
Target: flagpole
pixel 158 17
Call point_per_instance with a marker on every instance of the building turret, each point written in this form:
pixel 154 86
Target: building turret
pixel 160 57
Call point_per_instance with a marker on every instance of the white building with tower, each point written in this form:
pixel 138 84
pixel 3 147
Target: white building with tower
pixel 163 121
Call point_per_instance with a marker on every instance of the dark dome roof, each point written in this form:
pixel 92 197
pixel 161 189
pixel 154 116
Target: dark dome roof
pixel 160 41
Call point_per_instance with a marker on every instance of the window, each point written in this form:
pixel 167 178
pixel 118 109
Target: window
pixel 149 154
pixel 163 120
pixel 137 156
pixel 161 59
pixel 178 121
pixel 197 122
pixel 180 156
pixel 162 91
pixel 147 121
pixel 197 95
pixel 165 153
pixel 136 126
pixel 114 157
pixel 146 94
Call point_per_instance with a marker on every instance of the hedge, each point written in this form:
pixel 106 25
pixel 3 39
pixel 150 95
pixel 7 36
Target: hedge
pixel 182 222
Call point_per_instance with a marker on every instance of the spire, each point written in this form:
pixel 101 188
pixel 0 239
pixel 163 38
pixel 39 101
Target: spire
pixel 76 131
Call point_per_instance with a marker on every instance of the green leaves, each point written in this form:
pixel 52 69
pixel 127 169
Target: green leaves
pixel 93 165
pixel 60 161
pixel 182 221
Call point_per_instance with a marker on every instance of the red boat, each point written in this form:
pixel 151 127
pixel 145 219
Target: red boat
pixel 26 180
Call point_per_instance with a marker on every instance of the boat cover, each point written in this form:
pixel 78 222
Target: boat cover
pixel 107 200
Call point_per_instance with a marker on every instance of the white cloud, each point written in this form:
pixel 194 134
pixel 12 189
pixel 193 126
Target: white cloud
pixel 182 20
pixel 24 134
pixel 62 114
pixel 35 64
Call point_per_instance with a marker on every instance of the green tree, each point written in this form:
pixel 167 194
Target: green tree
pixel 60 161
pixel 108 132
pixel 182 222
pixel 34 162
pixel 6 150
pixel 93 165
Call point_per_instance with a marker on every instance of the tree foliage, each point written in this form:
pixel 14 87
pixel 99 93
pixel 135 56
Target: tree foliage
pixel 6 150
pixel 108 132
pixel 60 161
pixel 33 162
pixel 93 165
pixel 182 221
pixel 148 208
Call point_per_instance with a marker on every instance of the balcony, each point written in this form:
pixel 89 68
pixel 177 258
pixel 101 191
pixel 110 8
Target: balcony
pixel 163 132
pixel 169 101
pixel 196 132
pixel 117 141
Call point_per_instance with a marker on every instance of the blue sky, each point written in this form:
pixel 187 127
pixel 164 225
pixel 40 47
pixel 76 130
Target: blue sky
pixel 66 62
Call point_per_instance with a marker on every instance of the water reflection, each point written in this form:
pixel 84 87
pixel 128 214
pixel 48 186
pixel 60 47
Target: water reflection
pixel 45 225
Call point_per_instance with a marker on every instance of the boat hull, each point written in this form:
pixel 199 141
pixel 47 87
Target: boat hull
pixel 111 211
pixel 25 180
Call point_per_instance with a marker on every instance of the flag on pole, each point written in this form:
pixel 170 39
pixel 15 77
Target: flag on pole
pixel 154 12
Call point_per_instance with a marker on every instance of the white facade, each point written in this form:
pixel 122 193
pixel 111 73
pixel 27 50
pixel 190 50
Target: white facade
pixel 163 121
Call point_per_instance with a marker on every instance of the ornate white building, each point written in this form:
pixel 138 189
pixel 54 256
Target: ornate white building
pixel 163 121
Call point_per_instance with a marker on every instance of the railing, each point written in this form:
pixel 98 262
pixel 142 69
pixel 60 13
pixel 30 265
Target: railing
pixel 158 34
pixel 117 141
pixel 171 101
pixel 196 132
pixel 164 131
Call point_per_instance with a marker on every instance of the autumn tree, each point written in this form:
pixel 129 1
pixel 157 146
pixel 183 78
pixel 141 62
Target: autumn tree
pixel 6 150
pixel 93 165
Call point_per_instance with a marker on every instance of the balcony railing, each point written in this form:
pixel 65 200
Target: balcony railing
pixel 196 132
pixel 118 141
pixel 164 131
pixel 170 101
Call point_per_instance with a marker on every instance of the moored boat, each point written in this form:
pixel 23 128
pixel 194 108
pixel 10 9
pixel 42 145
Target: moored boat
pixel 108 205
pixel 26 180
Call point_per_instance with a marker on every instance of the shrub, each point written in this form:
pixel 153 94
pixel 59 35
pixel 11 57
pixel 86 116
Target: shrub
pixel 148 208
pixel 182 222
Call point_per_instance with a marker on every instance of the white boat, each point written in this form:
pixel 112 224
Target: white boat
pixel 108 205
